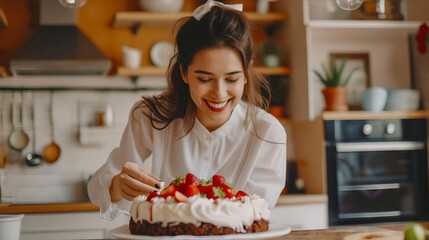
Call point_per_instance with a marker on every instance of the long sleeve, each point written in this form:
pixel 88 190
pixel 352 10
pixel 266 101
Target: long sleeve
pixel 135 146
pixel 268 170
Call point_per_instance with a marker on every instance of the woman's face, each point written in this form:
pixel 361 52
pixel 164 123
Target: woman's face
pixel 216 83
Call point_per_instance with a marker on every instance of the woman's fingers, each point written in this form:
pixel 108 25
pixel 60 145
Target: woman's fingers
pixel 126 195
pixel 149 173
pixel 131 192
pixel 132 183
pixel 139 173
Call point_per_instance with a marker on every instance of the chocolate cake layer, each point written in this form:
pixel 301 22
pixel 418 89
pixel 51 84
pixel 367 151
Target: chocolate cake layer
pixel 205 229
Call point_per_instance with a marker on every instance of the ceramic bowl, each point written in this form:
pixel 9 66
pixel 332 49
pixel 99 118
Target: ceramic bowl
pixel 162 6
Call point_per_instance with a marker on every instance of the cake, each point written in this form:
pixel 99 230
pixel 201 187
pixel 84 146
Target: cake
pixel 192 206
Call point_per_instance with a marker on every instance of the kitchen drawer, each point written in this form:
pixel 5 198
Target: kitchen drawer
pixel 77 225
pixel 301 216
pixel 86 234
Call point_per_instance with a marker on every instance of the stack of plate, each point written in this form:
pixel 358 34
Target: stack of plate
pixel 403 100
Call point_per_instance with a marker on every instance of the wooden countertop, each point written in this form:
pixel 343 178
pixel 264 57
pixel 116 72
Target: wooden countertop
pixel 356 115
pixel 5 208
pixel 47 208
pixel 338 233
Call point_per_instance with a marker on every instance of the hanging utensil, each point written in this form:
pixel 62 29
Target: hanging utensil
pixel 33 159
pixel 3 153
pixel 18 139
pixel 52 152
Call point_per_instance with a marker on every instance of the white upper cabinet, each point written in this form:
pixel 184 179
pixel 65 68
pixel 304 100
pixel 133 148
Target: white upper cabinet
pixel 327 30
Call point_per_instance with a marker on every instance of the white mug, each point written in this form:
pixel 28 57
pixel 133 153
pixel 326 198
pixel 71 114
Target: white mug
pixel 132 57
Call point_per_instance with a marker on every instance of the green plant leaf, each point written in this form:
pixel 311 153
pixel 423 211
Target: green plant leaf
pixel 328 77
pixel 350 75
pixel 324 82
pixel 335 79
pixel 341 69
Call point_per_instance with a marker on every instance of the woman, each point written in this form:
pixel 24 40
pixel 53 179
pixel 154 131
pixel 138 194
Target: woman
pixel 209 121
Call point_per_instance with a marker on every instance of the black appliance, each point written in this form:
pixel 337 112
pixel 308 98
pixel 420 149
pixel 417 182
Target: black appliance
pixel 377 170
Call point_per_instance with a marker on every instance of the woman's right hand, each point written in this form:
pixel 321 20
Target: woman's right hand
pixel 132 181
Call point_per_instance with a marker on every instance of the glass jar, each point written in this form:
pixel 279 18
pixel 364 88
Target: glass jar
pixel 380 10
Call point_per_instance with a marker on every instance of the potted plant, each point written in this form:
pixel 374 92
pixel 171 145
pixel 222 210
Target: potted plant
pixel 335 91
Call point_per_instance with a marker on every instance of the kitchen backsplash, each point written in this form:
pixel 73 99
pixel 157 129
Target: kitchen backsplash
pixel 73 111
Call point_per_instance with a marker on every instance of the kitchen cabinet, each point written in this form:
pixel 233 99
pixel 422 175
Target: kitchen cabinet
pixel 302 216
pixel 134 20
pixel 326 29
pixel 301 211
pixel 314 31
pixel 77 225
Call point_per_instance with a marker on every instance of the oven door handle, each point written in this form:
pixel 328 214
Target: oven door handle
pixel 369 187
pixel 379 146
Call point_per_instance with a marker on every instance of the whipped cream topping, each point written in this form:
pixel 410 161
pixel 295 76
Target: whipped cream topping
pixel 232 213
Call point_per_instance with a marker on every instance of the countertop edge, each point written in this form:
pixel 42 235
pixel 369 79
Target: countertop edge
pixel 5 208
pixel 48 208
pixel 297 199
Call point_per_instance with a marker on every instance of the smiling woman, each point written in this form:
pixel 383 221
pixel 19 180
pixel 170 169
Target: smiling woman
pixel 211 120
pixel 218 91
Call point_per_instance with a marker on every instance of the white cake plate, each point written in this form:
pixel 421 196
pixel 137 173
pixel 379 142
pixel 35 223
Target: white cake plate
pixel 275 230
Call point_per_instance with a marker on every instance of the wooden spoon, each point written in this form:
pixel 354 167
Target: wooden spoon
pixel 52 152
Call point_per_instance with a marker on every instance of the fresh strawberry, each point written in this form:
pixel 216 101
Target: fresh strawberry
pixel 216 192
pixel 192 180
pixel 152 195
pixel 181 187
pixel 218 180
pixel 240 194
pixel 177 181
pixel 230 192
pixel 204 189
pixel 169 191
pixel 191 190
pixel 180 197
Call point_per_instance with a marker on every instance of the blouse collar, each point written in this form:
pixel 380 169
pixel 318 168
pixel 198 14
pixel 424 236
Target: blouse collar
pixel 235 122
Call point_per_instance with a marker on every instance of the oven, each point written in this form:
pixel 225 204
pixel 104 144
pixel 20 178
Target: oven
pixel 376 170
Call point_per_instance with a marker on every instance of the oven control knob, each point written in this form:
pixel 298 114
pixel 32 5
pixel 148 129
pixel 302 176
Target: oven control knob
pixel 367 129
pixel 390 128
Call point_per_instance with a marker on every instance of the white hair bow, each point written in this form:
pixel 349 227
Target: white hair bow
pixel 205 8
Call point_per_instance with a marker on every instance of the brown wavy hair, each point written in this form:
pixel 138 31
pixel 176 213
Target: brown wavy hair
pixel 220 27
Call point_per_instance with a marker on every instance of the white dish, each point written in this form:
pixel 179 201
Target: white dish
pixel 275 230
pixel 161 53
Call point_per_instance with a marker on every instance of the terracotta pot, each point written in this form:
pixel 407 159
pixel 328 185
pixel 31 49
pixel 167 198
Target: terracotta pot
pixel 335 98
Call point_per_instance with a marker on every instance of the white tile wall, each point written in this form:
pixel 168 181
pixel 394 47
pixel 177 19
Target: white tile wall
pixel 61 181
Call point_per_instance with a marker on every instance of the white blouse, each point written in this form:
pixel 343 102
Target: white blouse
pixel 248 162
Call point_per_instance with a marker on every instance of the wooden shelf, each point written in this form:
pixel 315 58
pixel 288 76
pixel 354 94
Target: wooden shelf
pixel 364 24
pixel 73 83
pixel 274 70
pixel 357 115
pixel 132 19
pixel 145 70
pixel 153 70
